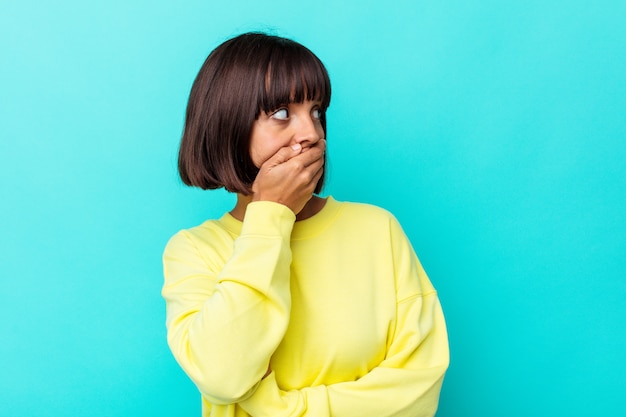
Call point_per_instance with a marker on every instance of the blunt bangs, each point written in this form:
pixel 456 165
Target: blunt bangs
pixel 293 75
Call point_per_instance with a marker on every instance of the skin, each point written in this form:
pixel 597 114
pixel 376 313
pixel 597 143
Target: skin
pixel 288 146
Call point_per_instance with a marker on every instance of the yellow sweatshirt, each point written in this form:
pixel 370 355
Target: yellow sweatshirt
pixel 337 305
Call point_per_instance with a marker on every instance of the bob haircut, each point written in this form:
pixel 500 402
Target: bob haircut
pixel 244 76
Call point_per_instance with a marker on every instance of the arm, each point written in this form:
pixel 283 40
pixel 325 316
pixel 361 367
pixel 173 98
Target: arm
pixel 225 318
pixel 406 383
pixel 215 313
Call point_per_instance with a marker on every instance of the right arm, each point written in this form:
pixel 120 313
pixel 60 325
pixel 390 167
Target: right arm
pixel 225 317
pixel 218 321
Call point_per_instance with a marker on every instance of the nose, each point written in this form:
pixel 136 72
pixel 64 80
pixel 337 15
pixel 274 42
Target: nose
pixel 307 131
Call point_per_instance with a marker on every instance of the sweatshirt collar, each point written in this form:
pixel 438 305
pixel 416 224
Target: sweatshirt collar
pixel 302 229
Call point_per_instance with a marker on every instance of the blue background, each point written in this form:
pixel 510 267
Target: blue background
pixel 493 130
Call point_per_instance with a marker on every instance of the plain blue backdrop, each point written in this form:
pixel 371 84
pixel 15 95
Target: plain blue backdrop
pixel 493 130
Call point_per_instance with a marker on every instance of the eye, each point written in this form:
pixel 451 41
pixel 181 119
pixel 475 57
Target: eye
pixel 317 113
pixel 281 114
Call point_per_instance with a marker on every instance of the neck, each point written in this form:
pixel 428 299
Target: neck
pixel 311 208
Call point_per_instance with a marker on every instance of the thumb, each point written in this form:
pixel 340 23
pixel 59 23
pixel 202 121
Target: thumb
pixel 285 154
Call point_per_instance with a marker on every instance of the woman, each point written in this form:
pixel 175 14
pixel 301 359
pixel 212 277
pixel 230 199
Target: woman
pixel 291 304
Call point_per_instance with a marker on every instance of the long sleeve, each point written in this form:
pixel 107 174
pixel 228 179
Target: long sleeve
pixel 228 304
pixel 406 382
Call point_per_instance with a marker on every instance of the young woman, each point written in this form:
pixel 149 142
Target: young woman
pixel 291 304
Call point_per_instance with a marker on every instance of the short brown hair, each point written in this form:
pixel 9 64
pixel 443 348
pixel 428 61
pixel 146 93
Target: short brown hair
pixel 245 75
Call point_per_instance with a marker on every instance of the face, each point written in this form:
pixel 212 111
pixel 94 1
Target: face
pixel 285 126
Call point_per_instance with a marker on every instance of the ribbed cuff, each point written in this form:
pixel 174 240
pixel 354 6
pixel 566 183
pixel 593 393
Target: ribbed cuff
pixel 267 218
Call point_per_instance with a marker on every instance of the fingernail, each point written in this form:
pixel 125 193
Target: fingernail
pixel 296 147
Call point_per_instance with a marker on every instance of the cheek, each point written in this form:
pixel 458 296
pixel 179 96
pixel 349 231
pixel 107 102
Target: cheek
pixel 262 150
pixel 256 158
pixel 259 144
pixel 320 131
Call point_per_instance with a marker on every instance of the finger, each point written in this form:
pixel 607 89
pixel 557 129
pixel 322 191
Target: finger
pixel 284 154
pixel 315 178
pixel 314 154
pixel 312 173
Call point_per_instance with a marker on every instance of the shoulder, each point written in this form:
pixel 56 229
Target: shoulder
pixel 366 214
pixel 376 220
pixel 367 221
pixel 210 235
